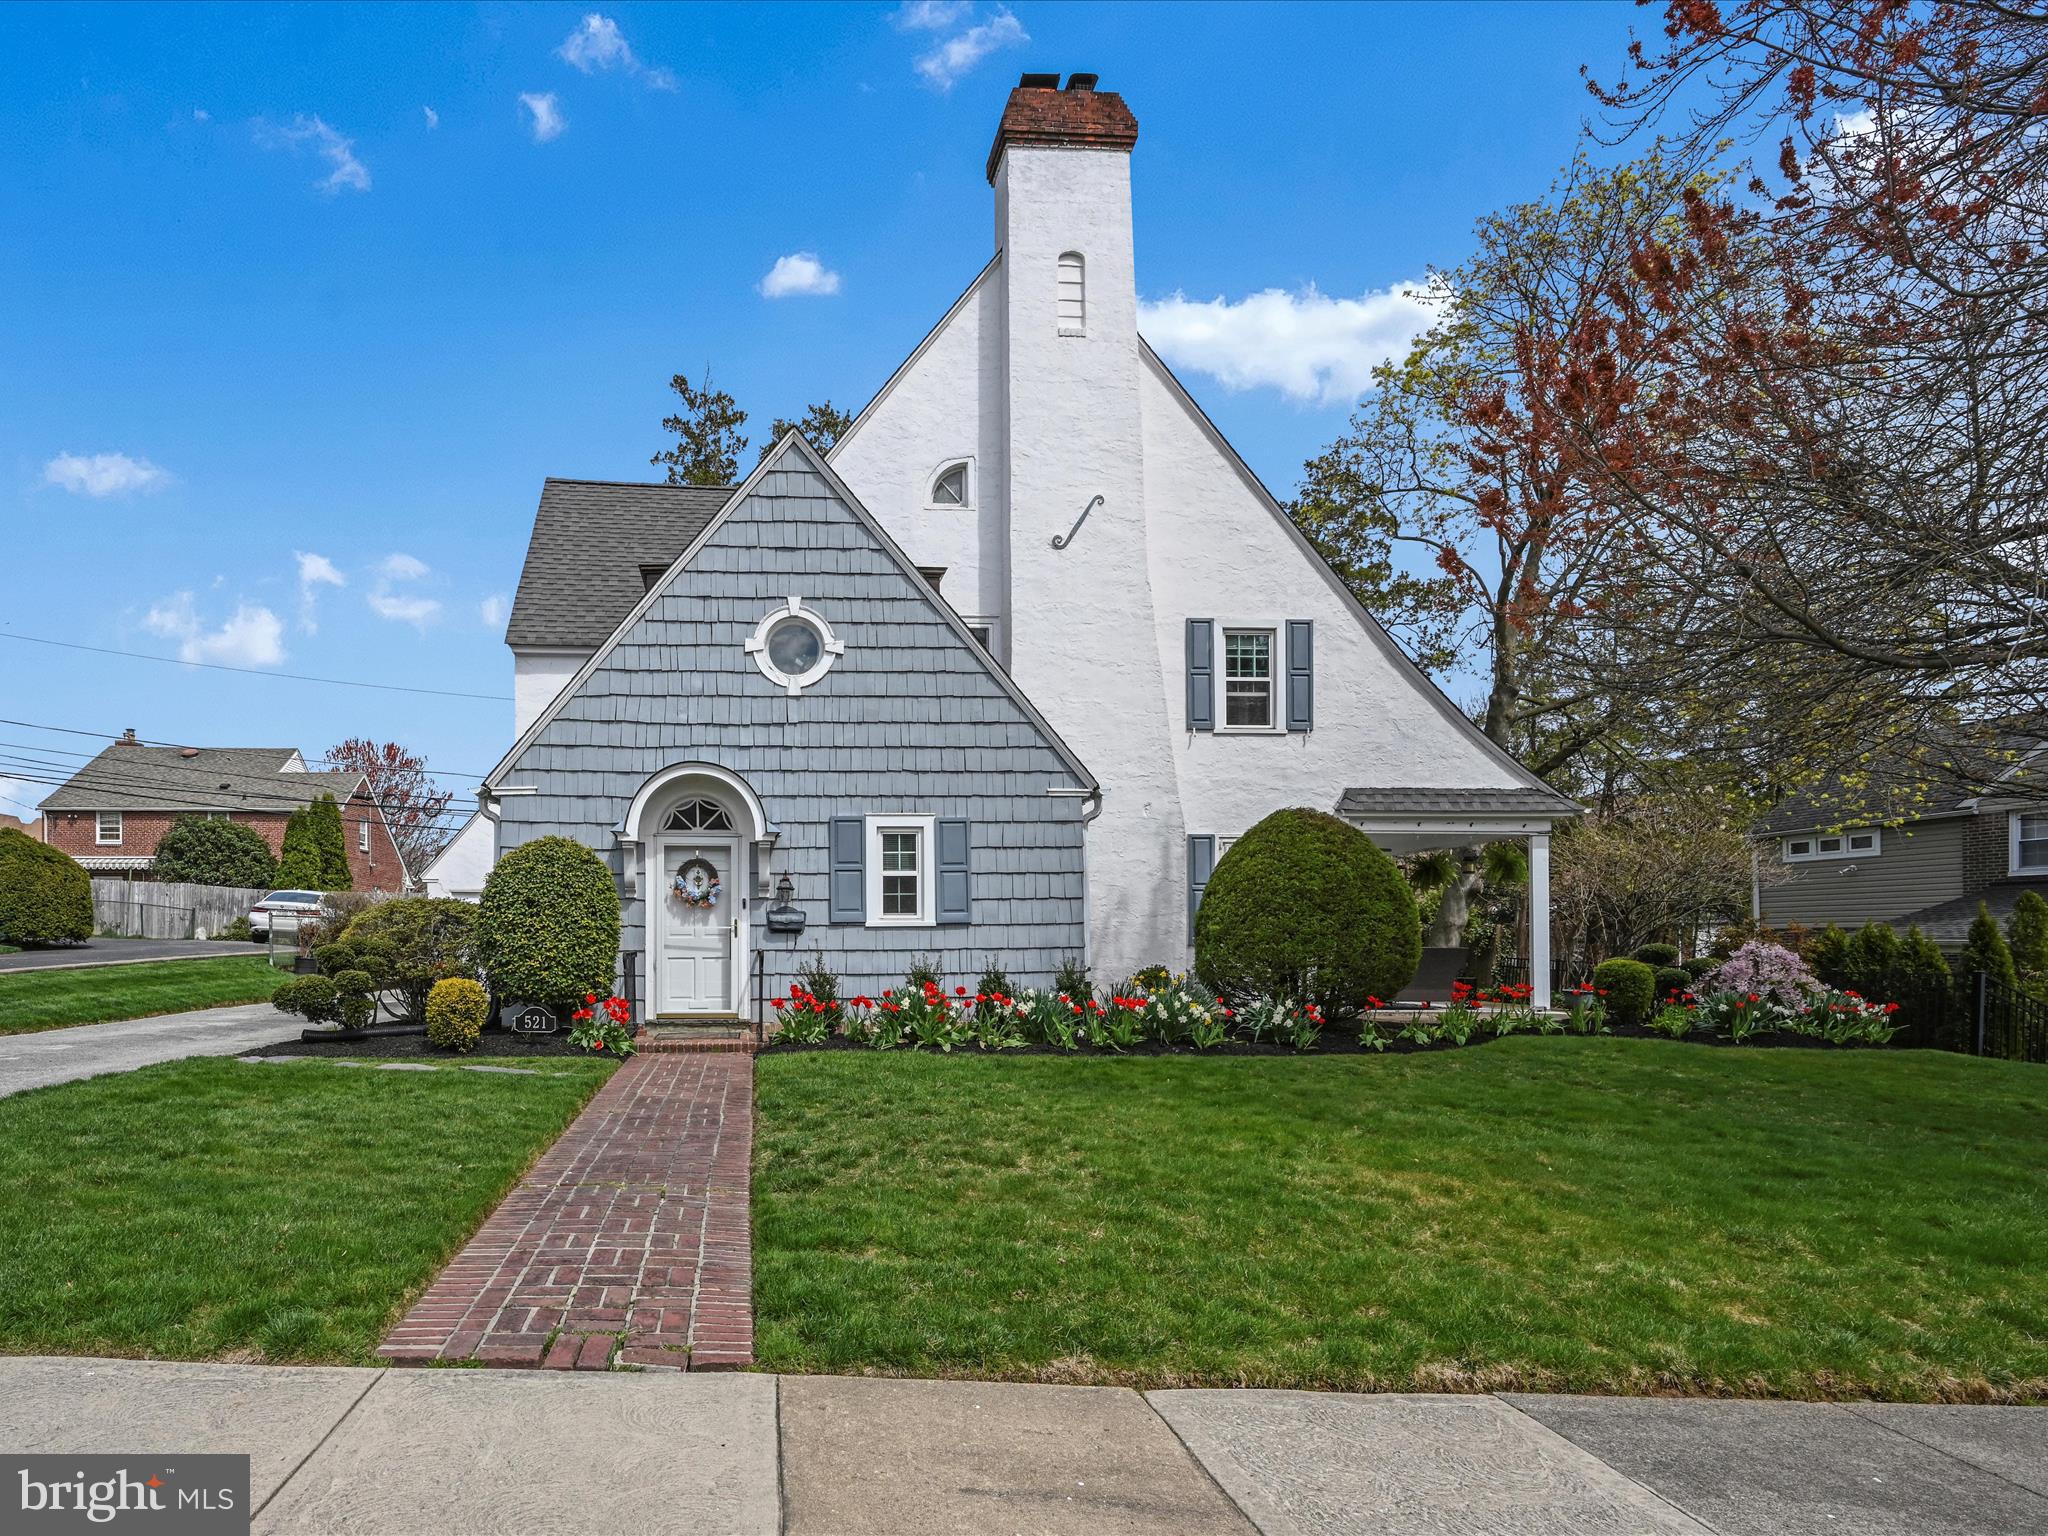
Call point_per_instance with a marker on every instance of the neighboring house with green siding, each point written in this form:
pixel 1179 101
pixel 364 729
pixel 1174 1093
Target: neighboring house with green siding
pixel 1930 871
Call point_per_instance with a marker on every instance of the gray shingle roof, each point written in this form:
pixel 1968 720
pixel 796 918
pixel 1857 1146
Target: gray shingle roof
pixel 128 777
pixel 590 538
pixel 1948 922
pixel 1426 800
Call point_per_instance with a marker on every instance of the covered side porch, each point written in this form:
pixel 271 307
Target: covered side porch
pixel 1416 819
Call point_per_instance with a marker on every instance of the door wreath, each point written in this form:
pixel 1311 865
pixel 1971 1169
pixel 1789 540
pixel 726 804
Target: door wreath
pixel 696 883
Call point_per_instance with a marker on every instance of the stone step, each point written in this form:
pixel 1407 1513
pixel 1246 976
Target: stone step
pixel 696 1035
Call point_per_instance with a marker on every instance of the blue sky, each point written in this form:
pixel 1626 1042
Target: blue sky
pixel 297 306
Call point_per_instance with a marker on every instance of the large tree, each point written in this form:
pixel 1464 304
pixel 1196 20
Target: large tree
pixel 709 441
pixel 1845 467
pixel 414 806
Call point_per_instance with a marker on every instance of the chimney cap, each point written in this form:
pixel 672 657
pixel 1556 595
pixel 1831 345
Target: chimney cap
pixel 128 738
pixel 1038 113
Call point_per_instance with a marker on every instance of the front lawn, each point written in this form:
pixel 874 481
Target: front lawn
pixel 1552 1213
pixel 215 1209
pixel 93 994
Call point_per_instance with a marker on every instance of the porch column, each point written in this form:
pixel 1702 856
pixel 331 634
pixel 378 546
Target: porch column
pixel 1539 918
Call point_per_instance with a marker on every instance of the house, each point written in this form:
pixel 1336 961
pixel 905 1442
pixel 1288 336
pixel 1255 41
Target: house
pixel 1929 870
pixel 111 814
pixel 999 679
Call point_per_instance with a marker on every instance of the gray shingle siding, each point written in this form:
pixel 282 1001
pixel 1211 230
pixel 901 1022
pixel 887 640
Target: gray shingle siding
pixel 910 719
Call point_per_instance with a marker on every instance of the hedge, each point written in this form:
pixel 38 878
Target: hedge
pixel 547 928
pixel 45 894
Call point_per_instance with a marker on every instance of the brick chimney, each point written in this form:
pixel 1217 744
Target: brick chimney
pixel 128 739
pixel 1079 117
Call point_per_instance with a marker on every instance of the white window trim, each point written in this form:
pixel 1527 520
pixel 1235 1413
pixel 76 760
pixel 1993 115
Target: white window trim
pixel 1275 725
pixel 931 483
pixel 926 829
pixel 830 647
pixel 99 829
pixel 992 624
pixel 1816 854
pixel 2013 864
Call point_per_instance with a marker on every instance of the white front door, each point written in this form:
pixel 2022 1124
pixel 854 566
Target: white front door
pixel 698 900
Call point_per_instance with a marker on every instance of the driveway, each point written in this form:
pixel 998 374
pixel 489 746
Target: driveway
pixel 124 952
pixel 88 1050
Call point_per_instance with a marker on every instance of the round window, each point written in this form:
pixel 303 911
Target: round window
pixel 794 647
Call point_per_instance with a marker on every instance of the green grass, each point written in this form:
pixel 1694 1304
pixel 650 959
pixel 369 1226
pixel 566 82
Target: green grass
pixel 1554 1214
pixel 211 1209
pixel 31 1000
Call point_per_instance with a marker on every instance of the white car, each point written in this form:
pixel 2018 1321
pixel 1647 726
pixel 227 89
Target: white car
pixel 291 906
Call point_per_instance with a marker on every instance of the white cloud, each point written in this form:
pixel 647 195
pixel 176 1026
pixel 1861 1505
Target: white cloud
pixel 492 611
pixel 402 607
pixel 433 117
pixel 548 121
pixel 339 151
pixel 798 273
pixel 1307 345
pixel 958 54
pixel 401 568
pixel 201 115
pixel 103 474
pixel 315 572
pixel 252 636
pixel 599 44
pixel 929 15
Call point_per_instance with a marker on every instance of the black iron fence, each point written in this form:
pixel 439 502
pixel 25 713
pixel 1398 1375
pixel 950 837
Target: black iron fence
pixel 2008 1023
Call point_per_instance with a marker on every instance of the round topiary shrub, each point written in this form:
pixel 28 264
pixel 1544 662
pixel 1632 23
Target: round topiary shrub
pixel 1627 988
pixel 1670 979
pixel 456 1008
pixel 45 894
pixel 209 852
pixel 547 929
pixel 312 998
pixel 416 941
pixel 1306 907
pixel 1656 956
pixel 1695 969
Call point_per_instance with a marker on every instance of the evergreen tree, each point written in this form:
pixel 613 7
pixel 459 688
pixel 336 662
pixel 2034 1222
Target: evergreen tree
pixel 1925 991
pixel 2027 931
pixel 1984 950
pixel 1827 954
pixel 325 816
pixel 1870 963
pixel 298 866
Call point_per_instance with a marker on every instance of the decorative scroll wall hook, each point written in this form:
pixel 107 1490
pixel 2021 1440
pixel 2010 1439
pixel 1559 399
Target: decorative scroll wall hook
pixel 1062 540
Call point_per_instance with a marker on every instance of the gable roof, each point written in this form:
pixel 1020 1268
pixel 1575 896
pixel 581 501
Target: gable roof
pixel 1400 659
pixel 793 443
pixel 131 777
pixel 590 538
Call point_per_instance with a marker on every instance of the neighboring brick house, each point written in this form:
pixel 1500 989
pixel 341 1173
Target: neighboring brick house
pixel 111 814
pixel 1929 871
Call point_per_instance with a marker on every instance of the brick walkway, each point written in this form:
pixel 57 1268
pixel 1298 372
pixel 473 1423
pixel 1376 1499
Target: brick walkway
pixel 628 1243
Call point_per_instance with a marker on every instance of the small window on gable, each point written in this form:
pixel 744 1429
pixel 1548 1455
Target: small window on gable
pixel 650 575
pixel 932 574
pixel 1073 295
pixel 949 489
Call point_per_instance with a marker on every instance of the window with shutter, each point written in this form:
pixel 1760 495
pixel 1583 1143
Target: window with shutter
pixel 1201 674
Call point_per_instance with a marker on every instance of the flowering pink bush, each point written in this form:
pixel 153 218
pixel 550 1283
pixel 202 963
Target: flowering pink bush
pixel 1767 970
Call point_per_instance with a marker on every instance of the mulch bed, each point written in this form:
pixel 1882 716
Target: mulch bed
pixel 493 1043
pixel 1332 1043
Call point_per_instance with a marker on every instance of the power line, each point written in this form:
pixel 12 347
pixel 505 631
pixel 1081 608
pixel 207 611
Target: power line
pixel 148 741
pixel 221 666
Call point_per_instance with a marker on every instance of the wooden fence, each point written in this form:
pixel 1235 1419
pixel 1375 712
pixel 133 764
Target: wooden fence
pixel 162 909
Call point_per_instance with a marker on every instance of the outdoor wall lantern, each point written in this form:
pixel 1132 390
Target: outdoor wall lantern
pixel 786 916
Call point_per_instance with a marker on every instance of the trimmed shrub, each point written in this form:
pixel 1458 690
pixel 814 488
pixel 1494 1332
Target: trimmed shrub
pixel 1627 989
pixel 1305 906
pixel 45 894
pixel 1656 956
pixel 1670 979
pixel 208 852
pixel 1703 966
pixel 547 929
pixel 312 998
pixel 355 1000
pixel 456 1009
pixel 418 941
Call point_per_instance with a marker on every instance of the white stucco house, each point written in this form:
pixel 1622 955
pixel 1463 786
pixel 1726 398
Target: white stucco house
pixel 1097 582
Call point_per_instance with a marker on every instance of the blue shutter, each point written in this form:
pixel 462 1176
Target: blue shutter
pixel 849 884
pixel 1301 674
pixel 1201 674
pixel 1201 865
pixel 955 900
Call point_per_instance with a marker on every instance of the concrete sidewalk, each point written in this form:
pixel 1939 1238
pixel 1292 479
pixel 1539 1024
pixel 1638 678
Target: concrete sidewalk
pixel 87 1050
pixel 450 1451
pixel 98 952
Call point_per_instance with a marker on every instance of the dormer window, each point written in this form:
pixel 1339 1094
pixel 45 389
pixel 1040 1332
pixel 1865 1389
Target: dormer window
pixel 950 487
pixel 1073 295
